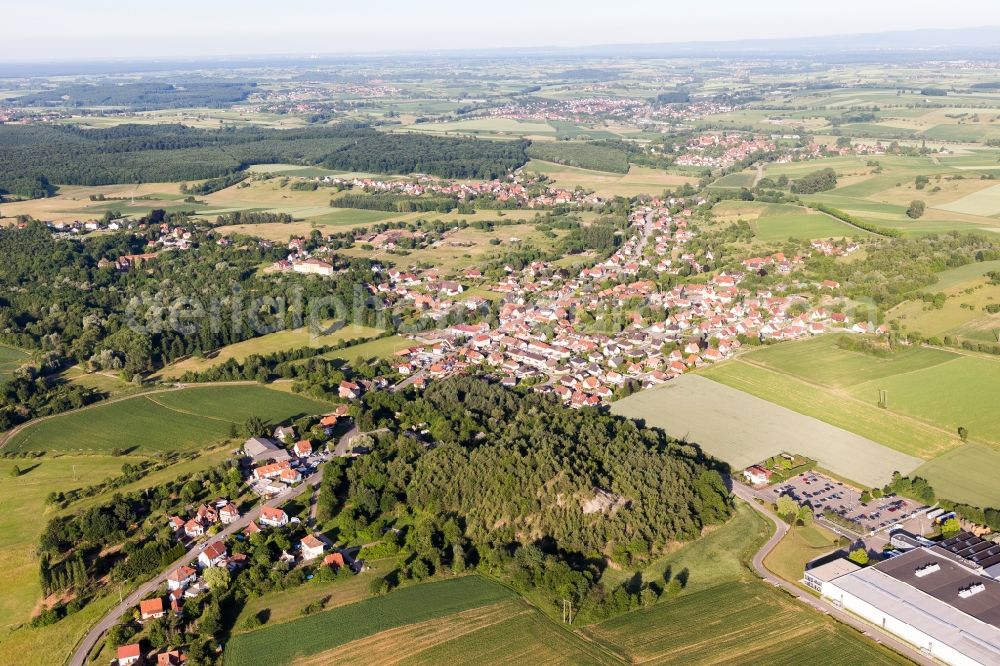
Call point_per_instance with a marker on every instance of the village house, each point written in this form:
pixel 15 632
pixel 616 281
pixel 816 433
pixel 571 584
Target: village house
pixel 181 577
pixel 151 609
pixel 303 448
pixel 214 555
pixel 128 655
pixel 273 517
pixel 312 547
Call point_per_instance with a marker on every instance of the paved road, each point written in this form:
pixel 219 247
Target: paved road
pixel 821 605
pixel 79 657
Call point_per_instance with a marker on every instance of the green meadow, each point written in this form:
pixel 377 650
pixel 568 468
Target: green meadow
pixel 179 420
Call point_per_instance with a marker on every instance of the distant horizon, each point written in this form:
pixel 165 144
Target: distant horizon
pixel 106 31
pixel 493 51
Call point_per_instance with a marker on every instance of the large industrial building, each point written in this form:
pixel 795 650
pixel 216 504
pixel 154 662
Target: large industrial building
pixel 941 598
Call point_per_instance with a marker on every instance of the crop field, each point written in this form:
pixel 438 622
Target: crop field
pixel 465 247
pixel 841 387
pixel 736 623
pixel 960 392
pixel 316 633
pixel 778 222
pixel 269 344
pixel 639 180
pixel 820 360
pixel 983 202
pixel 965 474
pixel 383 348
pixel 503 633
pixel 72 201
pixel 486 127
pixel 180 420
pixel 10 360
pixel 956 198
pixel 962 315
pixel 967 273
pixel 732 423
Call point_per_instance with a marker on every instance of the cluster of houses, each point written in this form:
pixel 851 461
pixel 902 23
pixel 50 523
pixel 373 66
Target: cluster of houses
pixel 541 338
pixel 525 191
pixel 718 150
pixel 222 511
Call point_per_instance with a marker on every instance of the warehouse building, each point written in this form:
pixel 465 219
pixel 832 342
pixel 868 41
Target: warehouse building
pixel 928 596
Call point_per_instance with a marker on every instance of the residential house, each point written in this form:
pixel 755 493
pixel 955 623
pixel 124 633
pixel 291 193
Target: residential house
pixel 129 654
pixel 229 513
pixel 312 547
pixel 335 560
pixel 273 517
pixel 214 555
pixel 284 433
pixel 193 528
pixel 181 577
pixel 349 390
pixel 171 658
pixel 151 609
pixel 303 448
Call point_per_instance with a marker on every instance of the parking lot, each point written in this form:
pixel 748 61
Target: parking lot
pixel 822 493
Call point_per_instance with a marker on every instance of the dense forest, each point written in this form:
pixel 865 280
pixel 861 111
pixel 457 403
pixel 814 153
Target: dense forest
pixel 142 96
pixel 585 155
pixel 32 156
pixel 520 486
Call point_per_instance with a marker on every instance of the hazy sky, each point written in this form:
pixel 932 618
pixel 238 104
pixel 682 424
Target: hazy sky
pixel 81 29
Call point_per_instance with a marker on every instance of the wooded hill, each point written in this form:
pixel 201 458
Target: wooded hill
pixel 33 157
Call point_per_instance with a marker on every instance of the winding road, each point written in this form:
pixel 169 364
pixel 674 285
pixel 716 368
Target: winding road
pixel 821 605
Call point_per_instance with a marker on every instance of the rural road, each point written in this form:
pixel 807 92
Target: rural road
pixel 821 605
pixel 79 657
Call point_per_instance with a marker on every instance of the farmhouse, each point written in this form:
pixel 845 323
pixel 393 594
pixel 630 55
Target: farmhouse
pixel 151 609
pixel 929 597
pixel 273 517
pixel 214 555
